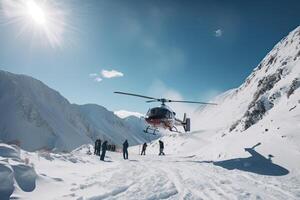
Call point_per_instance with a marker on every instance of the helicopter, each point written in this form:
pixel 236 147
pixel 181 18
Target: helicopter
pixel 164 116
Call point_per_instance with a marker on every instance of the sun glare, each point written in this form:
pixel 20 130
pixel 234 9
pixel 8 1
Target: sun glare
pixel 37 13
pixel 43 21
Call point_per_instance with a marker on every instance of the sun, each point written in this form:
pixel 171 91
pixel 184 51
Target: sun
pixel 44 21
pixel 37 14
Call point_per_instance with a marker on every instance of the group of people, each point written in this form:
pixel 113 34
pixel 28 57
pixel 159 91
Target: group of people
pixel 104 148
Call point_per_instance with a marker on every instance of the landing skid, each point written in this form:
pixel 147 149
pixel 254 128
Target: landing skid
pixel 175 130
pixel 150 130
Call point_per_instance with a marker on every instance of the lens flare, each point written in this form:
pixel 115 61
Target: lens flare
pixel 41 20
pixel 37 13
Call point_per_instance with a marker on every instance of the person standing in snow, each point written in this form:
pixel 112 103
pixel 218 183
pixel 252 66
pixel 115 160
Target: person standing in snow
pixel 125 150
pixel 96 147
pixel 161 148
pixel 99 147
pixel 144 149
pixel 104 148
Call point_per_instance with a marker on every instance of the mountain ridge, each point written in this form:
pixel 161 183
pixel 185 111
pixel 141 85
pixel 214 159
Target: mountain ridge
pixel 37 116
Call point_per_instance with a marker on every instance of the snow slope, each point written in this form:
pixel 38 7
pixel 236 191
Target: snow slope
pixel 106 125
pixel 36 116
pixel 150 177
pixel 271 87
pixel 264 110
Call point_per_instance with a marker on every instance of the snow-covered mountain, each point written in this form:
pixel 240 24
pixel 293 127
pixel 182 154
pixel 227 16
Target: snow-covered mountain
pixel 260 118
pixel 105 124
pixel 271 88
pixel 264 110
pixel 124 114
pixel 36 116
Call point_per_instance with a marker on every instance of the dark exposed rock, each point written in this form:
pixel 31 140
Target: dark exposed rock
pixel 263 100
pixel 297 55
pixel 254 114
pixel 234 125
pixel 260 104
pixel 295 85
pixel 271 60
pixel 264 85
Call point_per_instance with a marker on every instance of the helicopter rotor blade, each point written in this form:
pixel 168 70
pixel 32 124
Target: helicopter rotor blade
pixel 197 102
pixel 150 101
pixel 136 95
pixel 163 100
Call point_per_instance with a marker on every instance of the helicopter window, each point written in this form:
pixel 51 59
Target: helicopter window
pixel 157 113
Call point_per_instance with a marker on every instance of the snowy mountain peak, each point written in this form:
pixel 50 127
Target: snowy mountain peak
pixel 279 59
pixel 272 86
pixel 273 80
pixel 124 114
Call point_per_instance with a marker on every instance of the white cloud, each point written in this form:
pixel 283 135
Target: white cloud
pixel 95 77
pixel 111 73
pixel 105 74
pixel 218 33
pixel 98 79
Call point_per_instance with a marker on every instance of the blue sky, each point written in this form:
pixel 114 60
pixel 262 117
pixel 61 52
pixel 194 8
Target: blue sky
pixel 182 49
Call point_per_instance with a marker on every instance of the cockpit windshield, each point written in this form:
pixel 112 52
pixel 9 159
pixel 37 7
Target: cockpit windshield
pixel 158 113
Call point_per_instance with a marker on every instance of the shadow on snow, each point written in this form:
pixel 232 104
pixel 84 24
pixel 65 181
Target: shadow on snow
pixel 256 163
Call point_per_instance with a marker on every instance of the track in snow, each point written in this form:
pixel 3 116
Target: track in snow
pixel 153 177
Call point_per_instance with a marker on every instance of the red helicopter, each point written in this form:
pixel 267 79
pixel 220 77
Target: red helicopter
pixel 164 116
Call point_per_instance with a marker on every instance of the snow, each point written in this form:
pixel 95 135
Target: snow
pixel 8 151
pixel 106 125
pixel 46 120
pixel 247 147
pixel 267 84
pixel 174 176
pixel 6 178
pixel 124 114
pixel 15 174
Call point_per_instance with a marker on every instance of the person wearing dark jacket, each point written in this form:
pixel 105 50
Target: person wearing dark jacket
pixel 96 147
pixel 161 148
pixel 104 148
pixel 144 149
pixel 125 150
